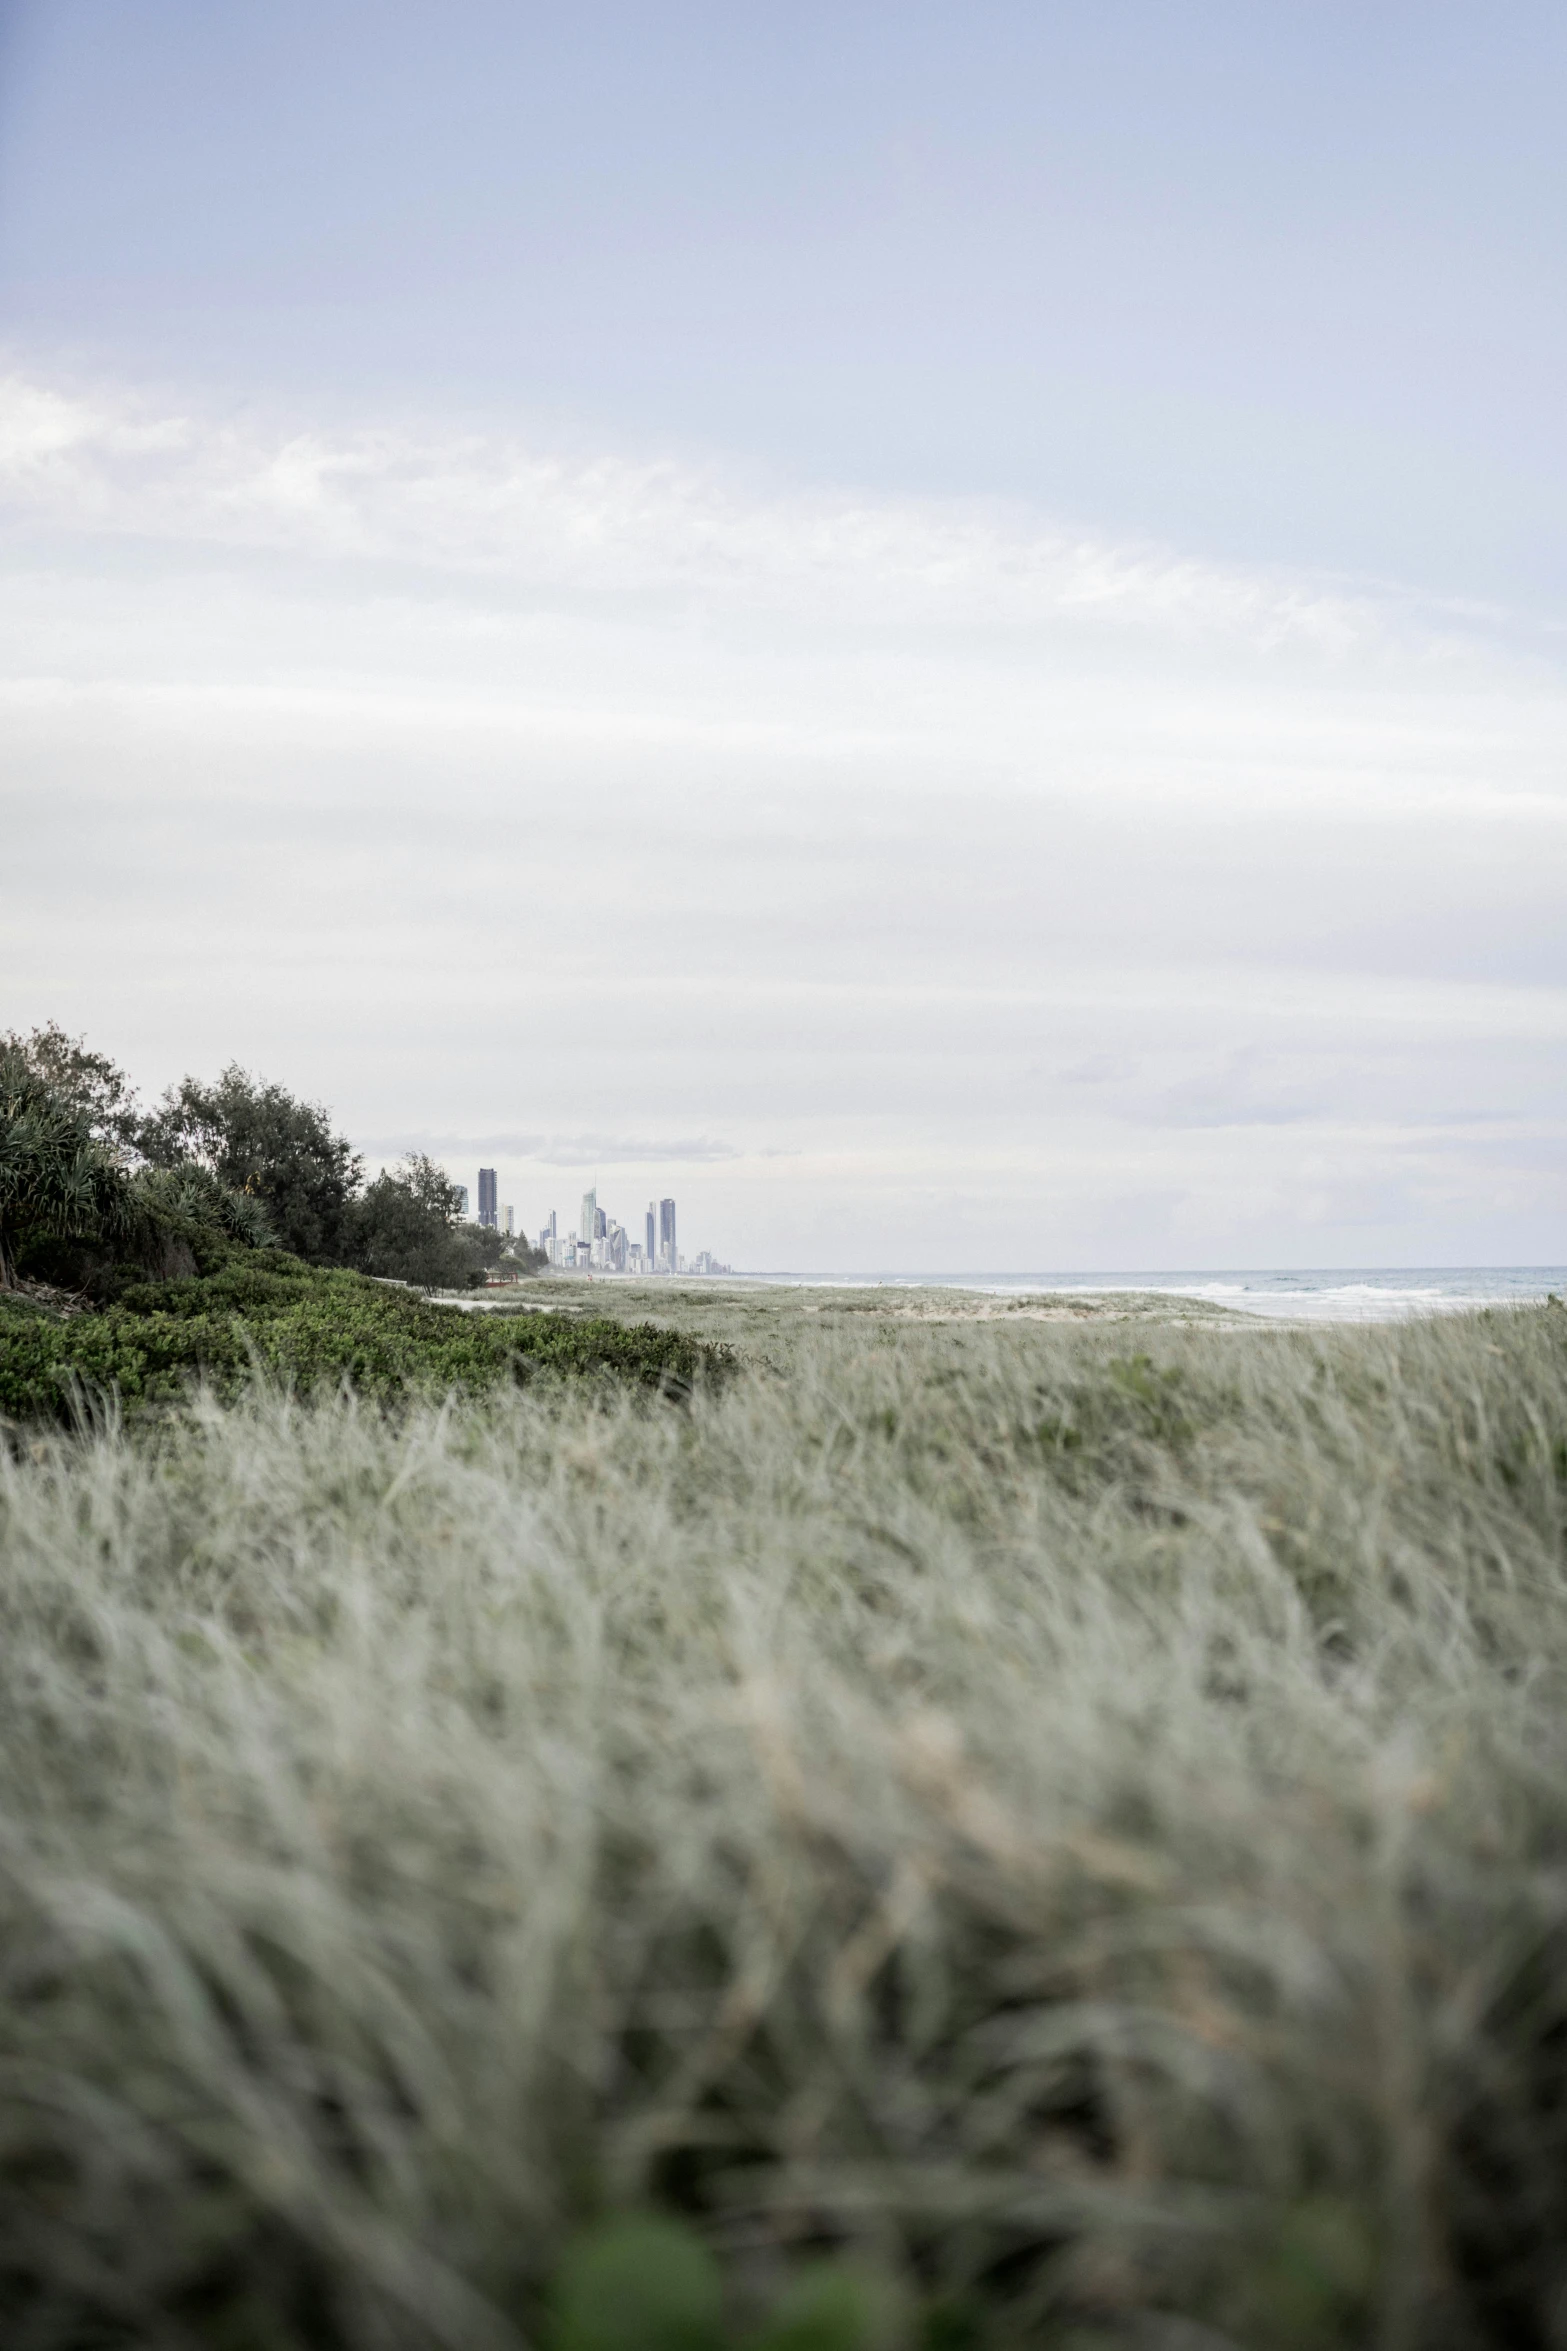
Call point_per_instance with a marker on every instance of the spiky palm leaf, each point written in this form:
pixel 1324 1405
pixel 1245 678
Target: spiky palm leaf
pixel 56 1181
pixel 192 1191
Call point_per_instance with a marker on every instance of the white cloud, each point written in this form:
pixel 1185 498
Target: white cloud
pixel 612 525
pixel 565 1150
pixel 997 892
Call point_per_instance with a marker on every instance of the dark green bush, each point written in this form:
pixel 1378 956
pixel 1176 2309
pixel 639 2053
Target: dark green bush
pixel 647 2282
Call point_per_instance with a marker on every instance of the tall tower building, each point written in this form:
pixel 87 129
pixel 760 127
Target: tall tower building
pixel 667 1251
pixel 652 1235
pixel 588 1222
pixel 487 1213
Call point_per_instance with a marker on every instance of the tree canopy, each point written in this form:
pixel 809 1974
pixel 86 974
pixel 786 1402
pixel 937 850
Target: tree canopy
pixel 405 1226
pixel 94 1089
pixel 259 1139
pixel 57 1179
pixel 81 1163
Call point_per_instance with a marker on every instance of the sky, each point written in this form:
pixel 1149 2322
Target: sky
pixel 941 630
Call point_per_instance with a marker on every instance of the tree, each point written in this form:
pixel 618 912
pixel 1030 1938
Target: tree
pixel 92 1087
pixel 196 1195
pixel 58 1181
pixel 431 1186
pixel 405 1227
pixel 261 1140
pixel 519 1256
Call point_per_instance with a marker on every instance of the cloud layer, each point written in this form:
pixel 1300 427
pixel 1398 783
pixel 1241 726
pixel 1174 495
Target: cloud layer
pixel 605 525
pixel 1008 895
pixel 561 1151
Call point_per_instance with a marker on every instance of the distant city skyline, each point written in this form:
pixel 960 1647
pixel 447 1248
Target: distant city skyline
pixel 601 1243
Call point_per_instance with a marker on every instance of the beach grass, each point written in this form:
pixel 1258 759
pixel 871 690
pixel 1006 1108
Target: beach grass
pixel 1064 1822
pixel 770 1320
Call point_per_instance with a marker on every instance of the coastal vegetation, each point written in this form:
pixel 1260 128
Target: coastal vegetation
pixel 229 1233
pixel 263 1311
pixel 1039 1821
pixel 975 1829
pixel 96 1194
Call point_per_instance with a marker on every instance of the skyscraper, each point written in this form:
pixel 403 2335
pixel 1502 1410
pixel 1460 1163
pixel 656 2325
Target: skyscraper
pixel 588 1222
pixel 652 1235
pixel 487 1215
pixel 668 1254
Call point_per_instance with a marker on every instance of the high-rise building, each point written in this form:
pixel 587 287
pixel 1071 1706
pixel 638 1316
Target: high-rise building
pixel 668 1254
pixel 588 1222
pixel 652 1235
pixel 508 1219
pixel 487 1214
pixel 461 1191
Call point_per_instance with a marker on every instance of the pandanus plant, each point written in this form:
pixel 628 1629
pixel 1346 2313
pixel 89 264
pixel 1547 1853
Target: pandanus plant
pixel 195 1193
pixel 56 1181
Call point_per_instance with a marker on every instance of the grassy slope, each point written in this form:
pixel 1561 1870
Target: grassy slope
pixel 769 1321
pixel 773 1326
pixel 1080 1815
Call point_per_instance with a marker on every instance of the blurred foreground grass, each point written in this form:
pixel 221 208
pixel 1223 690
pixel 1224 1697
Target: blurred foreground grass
pixel 997 1831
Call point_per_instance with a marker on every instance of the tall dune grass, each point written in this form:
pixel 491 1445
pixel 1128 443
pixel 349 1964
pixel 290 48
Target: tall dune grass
pixel 1080 1832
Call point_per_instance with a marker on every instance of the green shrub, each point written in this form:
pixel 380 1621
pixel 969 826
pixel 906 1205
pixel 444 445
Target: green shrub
pixel 645 2282
pixel 266 1311
pixel 641 2284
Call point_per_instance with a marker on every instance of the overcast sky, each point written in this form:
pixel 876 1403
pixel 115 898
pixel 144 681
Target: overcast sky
pixel 942 630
